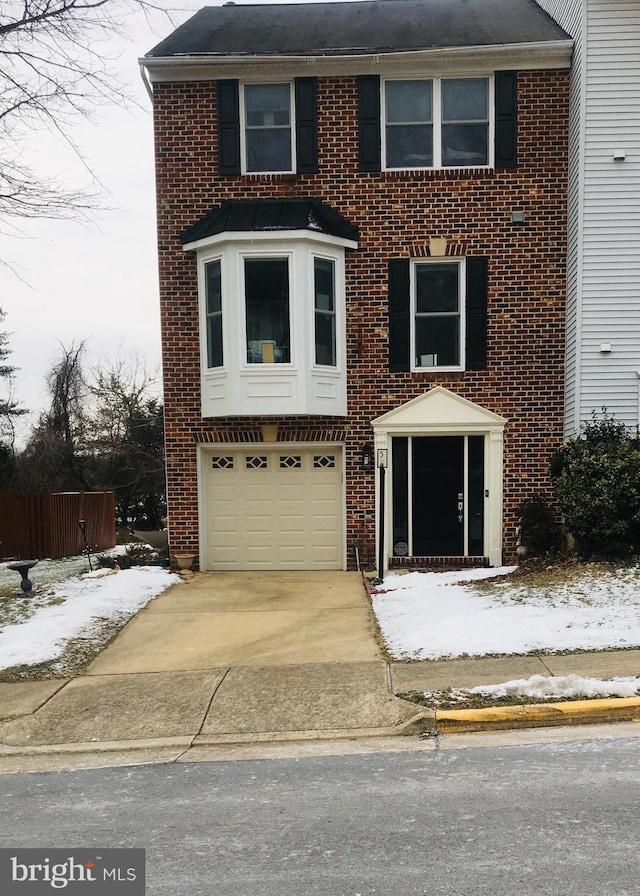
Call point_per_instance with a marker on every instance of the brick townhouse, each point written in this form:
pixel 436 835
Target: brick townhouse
pixel 362 248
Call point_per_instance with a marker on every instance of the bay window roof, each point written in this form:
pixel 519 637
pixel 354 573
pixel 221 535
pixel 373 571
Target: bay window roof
pixel 277 215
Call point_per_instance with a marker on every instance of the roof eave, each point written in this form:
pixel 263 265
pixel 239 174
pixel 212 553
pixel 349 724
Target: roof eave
pixel 205 67
pixel 257 236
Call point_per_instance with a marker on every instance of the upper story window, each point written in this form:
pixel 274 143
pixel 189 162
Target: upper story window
pixel 409 124
pixel 268 118
pixel 438 314
pixel 267 309
pixel 436 123
pixel 267 128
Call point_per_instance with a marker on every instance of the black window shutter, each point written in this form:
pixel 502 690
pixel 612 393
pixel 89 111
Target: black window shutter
pixel 477 276
pixel 369 123
pixel 306 125
pixel 506 132
pixel 228 127
pixel 399 314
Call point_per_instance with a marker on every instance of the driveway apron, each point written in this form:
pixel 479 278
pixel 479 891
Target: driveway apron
pixel 247 619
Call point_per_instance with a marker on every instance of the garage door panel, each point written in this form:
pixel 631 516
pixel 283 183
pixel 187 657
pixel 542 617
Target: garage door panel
pixel 274 509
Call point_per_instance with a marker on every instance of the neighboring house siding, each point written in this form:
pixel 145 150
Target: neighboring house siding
pixel 611 213
pixel 397 213
pixel 569 14
pixel 604 211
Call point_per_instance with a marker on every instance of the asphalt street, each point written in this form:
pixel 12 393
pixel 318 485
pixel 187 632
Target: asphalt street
pixel 557 818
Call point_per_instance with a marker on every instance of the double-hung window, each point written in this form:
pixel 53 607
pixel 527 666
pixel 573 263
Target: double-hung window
pixel 464 133
pixel 437 123
pixel 267 128
pixel 409 124
pixel 268 133
pixel 438 314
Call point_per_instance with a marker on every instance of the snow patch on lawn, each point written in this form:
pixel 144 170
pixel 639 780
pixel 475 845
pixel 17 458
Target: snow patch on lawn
pixel 432 615
pixel 75 608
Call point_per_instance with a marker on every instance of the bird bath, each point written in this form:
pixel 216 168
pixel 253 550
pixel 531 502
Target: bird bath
pixel 23 567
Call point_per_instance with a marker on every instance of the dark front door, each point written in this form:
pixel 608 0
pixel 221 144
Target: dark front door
pixel 438 496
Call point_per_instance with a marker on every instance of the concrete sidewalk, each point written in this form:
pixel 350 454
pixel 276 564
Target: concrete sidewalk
pixel 252 658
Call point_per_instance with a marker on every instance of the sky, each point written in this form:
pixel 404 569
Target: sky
pixel 72 282
pixel 421 615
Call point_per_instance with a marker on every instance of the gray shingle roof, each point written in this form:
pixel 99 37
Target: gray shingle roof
pixel 271 214
pixel 369 26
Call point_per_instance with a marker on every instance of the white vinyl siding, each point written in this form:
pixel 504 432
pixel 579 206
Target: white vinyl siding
pixel 603 303
pixel 611 212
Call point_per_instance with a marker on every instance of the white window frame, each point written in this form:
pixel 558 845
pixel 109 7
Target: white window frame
pixel 460 264
pixel 437 123
pixel 338 302
pixel 207 316
pixel 243 256
pixel 299 386
pixel 243 126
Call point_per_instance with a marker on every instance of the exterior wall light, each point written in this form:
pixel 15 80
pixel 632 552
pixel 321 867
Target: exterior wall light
pixel 366 458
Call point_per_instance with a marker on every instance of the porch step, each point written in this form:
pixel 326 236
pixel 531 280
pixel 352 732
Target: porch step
pixel 437 563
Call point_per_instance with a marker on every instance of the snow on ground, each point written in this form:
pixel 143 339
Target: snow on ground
pixel 421 615
pixel 432 615
pixel 543 687
pixel 73 608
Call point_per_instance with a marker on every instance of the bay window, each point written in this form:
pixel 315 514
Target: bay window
pixel 272 325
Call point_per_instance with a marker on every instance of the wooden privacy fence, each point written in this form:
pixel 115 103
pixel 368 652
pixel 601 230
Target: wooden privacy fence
pixel 35 525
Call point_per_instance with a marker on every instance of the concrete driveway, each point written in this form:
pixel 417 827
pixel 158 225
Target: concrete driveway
pixel 247 619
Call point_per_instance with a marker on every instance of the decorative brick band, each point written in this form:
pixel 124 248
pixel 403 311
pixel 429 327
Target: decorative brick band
pixel 285 434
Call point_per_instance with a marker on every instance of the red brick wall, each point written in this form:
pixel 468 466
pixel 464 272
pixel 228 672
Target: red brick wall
pixel 396 214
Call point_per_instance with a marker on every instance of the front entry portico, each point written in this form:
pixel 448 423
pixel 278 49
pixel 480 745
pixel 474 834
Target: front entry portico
pixel 444 488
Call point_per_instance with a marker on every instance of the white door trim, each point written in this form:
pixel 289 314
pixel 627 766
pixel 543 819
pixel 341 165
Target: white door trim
pixel 441 412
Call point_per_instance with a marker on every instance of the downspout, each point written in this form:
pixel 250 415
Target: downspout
pixel 145 81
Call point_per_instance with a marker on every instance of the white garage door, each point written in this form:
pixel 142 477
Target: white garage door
pixel 273 508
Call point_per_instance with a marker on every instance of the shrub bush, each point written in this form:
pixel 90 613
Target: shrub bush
pixel 596 476
pixel 132 555
pixel 539 528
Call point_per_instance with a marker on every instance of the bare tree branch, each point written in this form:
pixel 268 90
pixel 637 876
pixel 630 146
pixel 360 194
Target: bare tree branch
pixel 56 64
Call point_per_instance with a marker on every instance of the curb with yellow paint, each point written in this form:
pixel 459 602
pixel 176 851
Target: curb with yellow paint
pixel 538 715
